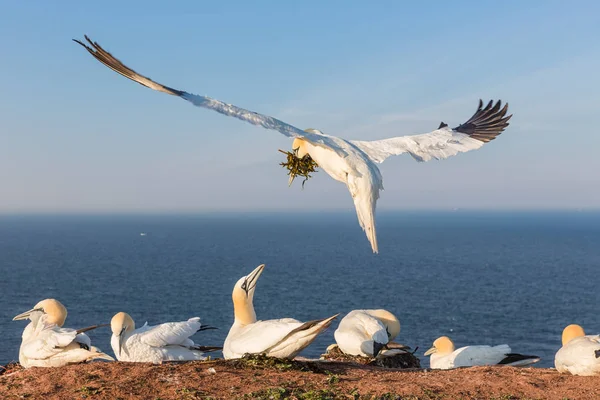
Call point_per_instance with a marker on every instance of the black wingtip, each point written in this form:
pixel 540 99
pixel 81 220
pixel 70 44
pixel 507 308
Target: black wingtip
pixel 515 357
pixel 206 328
pixel 208 349
pixel 113 63
pixel 442 125
pixel 597 353
pixel 487 122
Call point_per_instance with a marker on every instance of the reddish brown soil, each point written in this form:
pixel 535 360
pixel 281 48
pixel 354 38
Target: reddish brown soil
pixel 300 380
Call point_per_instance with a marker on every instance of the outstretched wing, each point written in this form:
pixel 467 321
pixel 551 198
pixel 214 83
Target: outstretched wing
pixel 202 101
pixel 482 127
pixel 171 333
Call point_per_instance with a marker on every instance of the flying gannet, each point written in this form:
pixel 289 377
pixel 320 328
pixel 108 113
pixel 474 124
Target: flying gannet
pixel 348 161
pixel 165 342
pixel 281 338
pixel 46 343
pixel 366 332
pixel 444 356
pixel 579 354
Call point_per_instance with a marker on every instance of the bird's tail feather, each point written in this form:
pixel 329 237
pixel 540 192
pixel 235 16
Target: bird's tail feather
pixel 365 199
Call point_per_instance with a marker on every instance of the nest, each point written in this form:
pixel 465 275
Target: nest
pixel 262 361
pixel 392 358
pixel 299 166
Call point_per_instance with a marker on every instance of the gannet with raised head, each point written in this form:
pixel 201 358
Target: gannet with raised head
pixel 45 343
pixel 444 356
pixel 165 342
pixel 281 338
pixel 348 161
pixel 366 332
pixel 579 354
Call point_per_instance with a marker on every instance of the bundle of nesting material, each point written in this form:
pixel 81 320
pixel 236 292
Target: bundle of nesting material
pixel 297 166
pixel 395 356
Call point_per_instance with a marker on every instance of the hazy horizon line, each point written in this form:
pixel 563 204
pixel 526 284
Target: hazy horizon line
pixel 290 211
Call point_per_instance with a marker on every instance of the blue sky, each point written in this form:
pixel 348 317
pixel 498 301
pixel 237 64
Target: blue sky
pixel 76 137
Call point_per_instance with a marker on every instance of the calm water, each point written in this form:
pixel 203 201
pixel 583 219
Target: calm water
pixel 480 278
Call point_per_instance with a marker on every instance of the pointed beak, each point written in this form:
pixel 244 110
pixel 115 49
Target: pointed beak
pixel 24 315
pixel 122 341
pixel 252 279
pixel 430 351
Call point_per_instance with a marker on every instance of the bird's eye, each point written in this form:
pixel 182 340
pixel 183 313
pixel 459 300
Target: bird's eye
pixel 244 286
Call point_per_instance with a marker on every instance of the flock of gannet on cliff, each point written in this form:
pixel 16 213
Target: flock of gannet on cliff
pixel 365 333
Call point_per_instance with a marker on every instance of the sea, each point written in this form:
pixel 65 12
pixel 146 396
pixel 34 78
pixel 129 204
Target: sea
pixel 478 277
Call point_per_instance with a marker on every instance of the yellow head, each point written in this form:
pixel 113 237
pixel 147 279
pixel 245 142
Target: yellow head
pixel 571 332
pixel 55 312
pixel 299 147
pixel 242 296
pixel 120 324
pixel 441 345
pixel 389 320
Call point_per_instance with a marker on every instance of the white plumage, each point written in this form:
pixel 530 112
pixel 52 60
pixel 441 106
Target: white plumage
pixel 366 332
pixel 580 354
pixel 46 344
pixel 350 162
pixel 165 342
pixel 282 338
pixel 444 356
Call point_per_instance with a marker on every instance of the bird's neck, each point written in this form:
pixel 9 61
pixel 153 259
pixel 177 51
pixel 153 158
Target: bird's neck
pixel 244 312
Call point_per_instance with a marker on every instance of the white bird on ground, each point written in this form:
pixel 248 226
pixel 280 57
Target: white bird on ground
pixel 366 332
pixel 46 343
pixel 281 338
pixel 165 342
pixel 579 354
pixel 348 161
pixel 444 356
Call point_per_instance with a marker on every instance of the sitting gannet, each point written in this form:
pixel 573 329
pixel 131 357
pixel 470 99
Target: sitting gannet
pixel 366 332
pixel 46 344
pixel 443 355
pixel 165 342
pixel 282 338
pixel 579 354
pixel 351 162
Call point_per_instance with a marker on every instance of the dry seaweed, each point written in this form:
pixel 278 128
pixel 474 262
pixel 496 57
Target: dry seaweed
pixel 403 359
pixel 297 166
pixel 262 361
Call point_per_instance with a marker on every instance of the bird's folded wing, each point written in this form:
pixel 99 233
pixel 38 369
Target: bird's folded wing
pixel 48 342
pixel 83 339
pixel 262 335
pixel 487 123
pixel 170 333
pixel 371 325
pixel 202 101
pixel 480 355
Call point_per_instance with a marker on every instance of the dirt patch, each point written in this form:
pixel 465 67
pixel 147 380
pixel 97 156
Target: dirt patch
pixel 265 378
